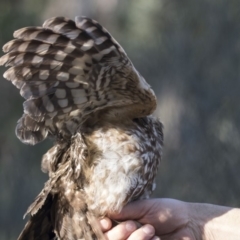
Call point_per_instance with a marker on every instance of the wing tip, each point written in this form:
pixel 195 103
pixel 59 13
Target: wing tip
pixel 27 135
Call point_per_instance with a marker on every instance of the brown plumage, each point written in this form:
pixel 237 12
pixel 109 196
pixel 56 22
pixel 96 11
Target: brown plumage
pixel 82 90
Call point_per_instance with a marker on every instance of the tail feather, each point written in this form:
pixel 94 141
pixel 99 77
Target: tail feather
pixel 60 210
pixel 39 226
pixel 77 223
pixel 59 219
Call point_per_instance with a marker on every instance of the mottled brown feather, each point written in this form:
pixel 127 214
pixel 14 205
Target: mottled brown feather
pixel 81 89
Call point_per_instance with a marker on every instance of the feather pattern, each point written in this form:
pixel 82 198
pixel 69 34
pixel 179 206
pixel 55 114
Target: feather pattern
pixel 67 70
pixel 81 89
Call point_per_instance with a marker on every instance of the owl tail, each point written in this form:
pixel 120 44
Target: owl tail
pixel 73 221
pixel 54 217
pixel 39 226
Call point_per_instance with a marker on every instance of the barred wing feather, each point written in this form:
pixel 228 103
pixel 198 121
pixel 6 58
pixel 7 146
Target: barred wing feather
pixel 67 70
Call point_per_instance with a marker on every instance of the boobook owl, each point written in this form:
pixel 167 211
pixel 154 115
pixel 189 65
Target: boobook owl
pixel 82 90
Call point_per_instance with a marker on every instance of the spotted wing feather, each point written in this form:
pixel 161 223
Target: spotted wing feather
pixel 67 70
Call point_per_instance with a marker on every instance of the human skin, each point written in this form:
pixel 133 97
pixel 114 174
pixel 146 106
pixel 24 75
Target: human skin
pixel 171 219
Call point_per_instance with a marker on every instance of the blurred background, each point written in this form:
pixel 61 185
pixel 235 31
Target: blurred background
pixel 189 51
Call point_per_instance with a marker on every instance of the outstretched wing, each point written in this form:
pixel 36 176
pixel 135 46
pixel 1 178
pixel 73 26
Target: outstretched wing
pixel 67 70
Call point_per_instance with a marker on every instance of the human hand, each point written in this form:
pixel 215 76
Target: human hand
pixel 130 230
pixel 168 217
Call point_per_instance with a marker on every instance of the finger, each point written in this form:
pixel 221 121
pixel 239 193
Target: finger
pixel 146 232
pixel 105 224
pixel 134 210
pixel 155 238
pixel 122 231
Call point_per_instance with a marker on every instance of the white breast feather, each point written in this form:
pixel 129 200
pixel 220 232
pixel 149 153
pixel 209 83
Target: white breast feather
pixel 116 172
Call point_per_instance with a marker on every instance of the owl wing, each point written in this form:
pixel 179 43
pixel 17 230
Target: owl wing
pixel 67 70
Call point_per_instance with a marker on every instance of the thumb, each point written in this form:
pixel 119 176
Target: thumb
pixel 132 211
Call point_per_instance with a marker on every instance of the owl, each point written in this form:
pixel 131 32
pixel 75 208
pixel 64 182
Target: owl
pixel 82 91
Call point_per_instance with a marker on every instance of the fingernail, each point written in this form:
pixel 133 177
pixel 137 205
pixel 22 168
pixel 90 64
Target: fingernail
pixel 148 229
pixel 104 223
pixel 155 238
pixel 130 226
